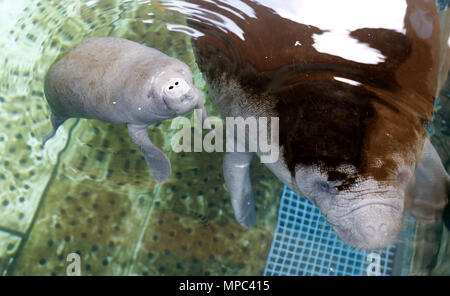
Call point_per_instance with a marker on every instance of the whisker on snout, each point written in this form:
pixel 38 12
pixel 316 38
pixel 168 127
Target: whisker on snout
pixel 359 194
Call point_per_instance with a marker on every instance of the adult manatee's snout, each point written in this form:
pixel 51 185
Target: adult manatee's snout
pixel 365 213
pixel 370 224
pixel 377 213
pixel 378 228
pixel 369 213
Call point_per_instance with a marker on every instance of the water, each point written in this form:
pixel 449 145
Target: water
pixel 88 191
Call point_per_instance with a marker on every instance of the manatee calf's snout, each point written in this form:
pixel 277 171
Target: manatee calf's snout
pixel 179 96
pixel 176 87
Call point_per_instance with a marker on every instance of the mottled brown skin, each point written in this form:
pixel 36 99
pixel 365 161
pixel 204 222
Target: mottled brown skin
pixel 326 123
pixel 406 80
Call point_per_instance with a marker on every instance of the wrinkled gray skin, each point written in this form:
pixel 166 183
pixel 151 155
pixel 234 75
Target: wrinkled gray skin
pixel 367 217
pixel 427 192
pixel 120 81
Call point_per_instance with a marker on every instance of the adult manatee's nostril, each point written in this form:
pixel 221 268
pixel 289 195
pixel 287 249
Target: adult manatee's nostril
pixel 368 231
pixel 383 228
pixel 375 232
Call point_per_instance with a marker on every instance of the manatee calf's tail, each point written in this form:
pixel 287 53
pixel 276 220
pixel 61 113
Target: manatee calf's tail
pixel 56 122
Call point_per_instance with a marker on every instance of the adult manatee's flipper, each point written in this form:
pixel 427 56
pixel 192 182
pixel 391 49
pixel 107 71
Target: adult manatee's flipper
pixel 236 171
pixel 158 163
pixel 430 188
pixel 56 122
pixel 446 215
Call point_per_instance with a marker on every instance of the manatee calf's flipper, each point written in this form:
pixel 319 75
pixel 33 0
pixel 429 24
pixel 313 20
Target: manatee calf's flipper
pixel 158 163
pixel 56 122
pixel 236 171
pixel 430 188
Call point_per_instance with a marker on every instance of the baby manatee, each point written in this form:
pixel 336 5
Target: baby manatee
pixel 123 82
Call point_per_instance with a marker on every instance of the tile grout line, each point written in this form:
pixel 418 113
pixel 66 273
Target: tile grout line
pixel 143 229
pixel 156 191
pixel 12 231
pixel 11 265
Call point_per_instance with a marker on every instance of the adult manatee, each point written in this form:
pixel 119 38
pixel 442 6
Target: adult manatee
pixel 353 84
